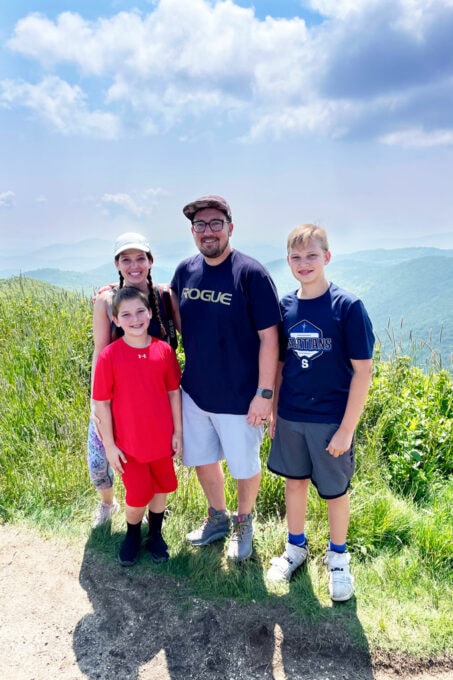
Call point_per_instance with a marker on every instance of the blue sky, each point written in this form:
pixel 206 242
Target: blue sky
pixel 114 114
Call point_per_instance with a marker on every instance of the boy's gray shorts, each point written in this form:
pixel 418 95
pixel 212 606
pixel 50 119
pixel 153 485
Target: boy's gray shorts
pixel 299 452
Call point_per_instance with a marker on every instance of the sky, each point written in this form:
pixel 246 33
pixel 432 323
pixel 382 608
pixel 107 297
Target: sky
pixel 115 114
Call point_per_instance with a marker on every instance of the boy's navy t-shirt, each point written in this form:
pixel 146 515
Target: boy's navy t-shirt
pixel 222 309
pixel 318 337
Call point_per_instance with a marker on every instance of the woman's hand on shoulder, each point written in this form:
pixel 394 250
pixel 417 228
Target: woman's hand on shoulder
pixel 104 289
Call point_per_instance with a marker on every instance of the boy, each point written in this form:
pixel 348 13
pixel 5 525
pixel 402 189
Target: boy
pixel 326 347
pixel 138 403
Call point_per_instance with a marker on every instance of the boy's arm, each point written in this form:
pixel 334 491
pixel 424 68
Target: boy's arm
pixel 115 456
pixel 176 412
pixel 358 391
pixel 278 382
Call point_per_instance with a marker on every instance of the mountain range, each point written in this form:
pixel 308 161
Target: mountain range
pixel 407 291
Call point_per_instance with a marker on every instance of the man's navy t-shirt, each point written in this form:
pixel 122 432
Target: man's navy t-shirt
pixel 222 309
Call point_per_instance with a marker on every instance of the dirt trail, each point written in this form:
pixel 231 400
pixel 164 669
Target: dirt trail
pixel 66 614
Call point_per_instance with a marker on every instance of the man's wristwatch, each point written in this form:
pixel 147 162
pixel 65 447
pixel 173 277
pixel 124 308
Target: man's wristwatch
pixel 266 394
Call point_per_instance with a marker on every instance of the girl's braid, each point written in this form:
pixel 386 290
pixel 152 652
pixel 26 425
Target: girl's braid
pixel 155 305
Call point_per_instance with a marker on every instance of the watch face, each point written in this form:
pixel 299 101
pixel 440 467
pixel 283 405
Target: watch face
pixel 266 394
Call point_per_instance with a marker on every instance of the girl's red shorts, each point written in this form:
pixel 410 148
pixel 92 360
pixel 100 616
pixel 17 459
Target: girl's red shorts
pixel 143 480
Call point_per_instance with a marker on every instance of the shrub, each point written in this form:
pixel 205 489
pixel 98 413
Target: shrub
pixel 408 419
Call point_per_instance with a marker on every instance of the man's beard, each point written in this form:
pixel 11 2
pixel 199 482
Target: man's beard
pixel 213 250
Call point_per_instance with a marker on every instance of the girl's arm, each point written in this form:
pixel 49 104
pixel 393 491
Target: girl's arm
pixel 176 411
pixel 115 456
pixel 101 329
pixel 101 338
pixel 358 392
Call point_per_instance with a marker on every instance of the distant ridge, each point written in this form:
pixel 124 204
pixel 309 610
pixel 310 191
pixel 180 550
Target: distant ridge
pixel 407 291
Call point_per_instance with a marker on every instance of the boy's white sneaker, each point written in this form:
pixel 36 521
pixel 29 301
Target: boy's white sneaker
pixel 341 581
pixel 284 567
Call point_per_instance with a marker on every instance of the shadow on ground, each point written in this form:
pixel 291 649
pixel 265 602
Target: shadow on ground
pixel 148 624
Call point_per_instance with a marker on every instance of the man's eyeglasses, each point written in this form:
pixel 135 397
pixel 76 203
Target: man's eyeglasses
pixel 199 226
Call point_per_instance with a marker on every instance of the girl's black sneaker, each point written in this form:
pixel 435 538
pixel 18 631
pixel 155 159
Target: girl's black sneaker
pixel 129 549
pixel 157 548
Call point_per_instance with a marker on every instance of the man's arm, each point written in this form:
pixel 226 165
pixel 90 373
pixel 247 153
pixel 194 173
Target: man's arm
pixel 358 392
pixel 260 409
pixel 175 305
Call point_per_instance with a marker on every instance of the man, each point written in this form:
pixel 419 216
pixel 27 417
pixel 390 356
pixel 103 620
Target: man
pixel 228 312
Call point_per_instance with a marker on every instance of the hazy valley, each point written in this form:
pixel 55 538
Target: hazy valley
pixel 407 291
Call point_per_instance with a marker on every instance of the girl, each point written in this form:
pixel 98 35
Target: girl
pixel 138 405
pixel 133 261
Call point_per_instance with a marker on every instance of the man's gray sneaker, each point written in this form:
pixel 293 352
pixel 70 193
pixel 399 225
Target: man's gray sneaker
pixel 215 526
pixel 240 547
pixel 282 568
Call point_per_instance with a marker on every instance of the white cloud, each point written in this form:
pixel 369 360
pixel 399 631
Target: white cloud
pixel 182 57
pixel 198 60
pixel 153 194
pixel 126 203
pixel 418 138
pixel 61 105
pixel 7 199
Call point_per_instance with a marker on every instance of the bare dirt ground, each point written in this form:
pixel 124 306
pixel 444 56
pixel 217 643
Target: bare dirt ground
pixel 68 614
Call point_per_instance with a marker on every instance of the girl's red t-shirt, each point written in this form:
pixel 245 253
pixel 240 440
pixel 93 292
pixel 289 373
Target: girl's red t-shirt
pixel 137 382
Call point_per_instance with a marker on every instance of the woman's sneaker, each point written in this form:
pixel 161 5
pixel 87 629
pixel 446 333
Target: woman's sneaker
pixel 284 567
pixel 104 513
pixel 341 581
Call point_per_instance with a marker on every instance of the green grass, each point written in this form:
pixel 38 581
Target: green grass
pixel 401 533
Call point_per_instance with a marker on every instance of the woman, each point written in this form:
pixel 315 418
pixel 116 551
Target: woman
pixel 133 260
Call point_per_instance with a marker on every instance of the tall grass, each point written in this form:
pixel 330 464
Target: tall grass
pixel 45 350
pixel 401 532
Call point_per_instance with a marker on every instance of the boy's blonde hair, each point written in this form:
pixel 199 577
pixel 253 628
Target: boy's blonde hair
pixel 300 236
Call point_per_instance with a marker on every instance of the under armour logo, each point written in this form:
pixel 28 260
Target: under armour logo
pixel 141 356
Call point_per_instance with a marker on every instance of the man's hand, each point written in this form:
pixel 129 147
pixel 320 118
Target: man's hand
pixel 260 411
